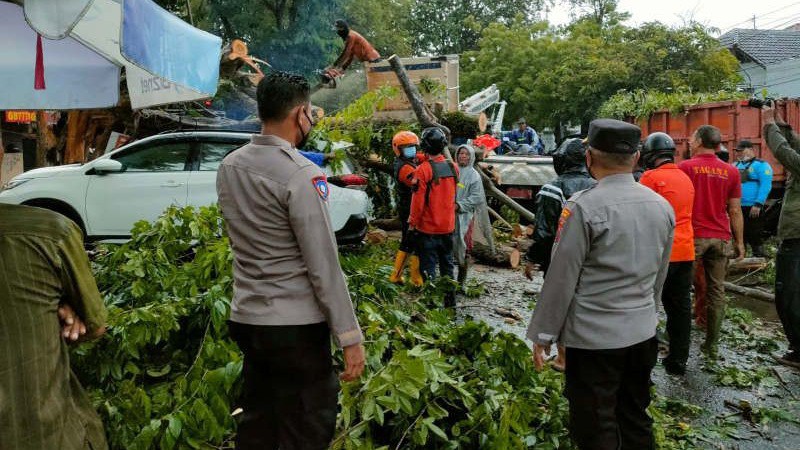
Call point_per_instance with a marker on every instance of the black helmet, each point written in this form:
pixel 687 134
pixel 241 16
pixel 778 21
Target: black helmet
pixel 433 140
pixel 723 153
pixel 570 154
pixel 657 145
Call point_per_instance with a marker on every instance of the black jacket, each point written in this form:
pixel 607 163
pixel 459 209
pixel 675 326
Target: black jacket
pixel 549 202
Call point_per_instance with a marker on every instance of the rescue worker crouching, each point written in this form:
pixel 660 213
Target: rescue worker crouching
pixel 432 218
pixel 405 145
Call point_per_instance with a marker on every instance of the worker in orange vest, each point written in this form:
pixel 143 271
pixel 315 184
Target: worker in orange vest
pixel 433 209
pixel 405 145
pixel 665 178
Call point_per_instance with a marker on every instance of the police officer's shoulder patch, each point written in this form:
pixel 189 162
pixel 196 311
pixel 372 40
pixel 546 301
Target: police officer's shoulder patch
pixel 321 185
pixel 565 213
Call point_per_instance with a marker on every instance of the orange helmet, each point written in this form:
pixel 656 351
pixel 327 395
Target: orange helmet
pixel 402 139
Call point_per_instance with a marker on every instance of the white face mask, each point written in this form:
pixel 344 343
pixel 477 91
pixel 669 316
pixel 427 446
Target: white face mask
pixel 410 152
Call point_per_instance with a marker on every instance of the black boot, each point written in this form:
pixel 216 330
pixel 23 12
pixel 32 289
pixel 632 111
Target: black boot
pixel 450 299
pixel 462 274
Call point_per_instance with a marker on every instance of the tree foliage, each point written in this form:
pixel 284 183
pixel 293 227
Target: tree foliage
pixel 166 375
pixel 454 26
pixel 558 76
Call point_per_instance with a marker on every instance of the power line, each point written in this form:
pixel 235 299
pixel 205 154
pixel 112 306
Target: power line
pixel 730 27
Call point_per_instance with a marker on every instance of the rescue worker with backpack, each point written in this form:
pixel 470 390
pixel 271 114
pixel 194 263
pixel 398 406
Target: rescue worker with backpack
pixel 433 209
pixel 665 178
pixel 405 145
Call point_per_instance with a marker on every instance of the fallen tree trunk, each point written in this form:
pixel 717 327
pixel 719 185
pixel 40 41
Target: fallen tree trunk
pixel 499 218
pixel 747 264
pixel 392 224
pixel 424 115
pixel 495 192
pixel 750 292
pixel 503 256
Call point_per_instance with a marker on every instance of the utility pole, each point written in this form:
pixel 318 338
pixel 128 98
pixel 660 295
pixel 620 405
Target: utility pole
pixel 754 21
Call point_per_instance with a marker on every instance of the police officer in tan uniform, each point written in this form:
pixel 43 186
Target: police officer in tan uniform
pixel 599 296
pixel 290 294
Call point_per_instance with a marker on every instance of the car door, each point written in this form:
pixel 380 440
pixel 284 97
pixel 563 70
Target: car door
pixel 203 177
pixel 155 175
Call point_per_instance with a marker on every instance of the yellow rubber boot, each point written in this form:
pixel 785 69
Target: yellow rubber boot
pixel 416 276
pixel 397 273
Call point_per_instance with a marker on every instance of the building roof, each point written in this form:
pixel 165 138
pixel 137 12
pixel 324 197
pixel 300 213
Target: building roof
pixel 763 46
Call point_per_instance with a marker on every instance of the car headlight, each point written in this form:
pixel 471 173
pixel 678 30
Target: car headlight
pixel 14 183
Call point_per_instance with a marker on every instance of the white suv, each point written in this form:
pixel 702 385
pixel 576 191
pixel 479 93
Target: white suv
pixel 105 197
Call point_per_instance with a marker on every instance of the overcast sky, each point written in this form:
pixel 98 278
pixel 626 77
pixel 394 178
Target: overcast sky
pixel 722 14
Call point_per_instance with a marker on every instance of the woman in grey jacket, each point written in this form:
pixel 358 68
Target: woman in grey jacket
pixel 469 199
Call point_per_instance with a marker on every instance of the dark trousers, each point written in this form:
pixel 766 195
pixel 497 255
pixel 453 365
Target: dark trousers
pixel 753 229
pixel 290 389
pixel 787 290
pixel 678 305
pixel 436 249
pixel 406 242
pixel 608 393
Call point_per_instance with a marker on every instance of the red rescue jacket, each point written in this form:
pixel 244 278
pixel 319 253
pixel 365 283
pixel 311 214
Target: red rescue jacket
pixel 433 204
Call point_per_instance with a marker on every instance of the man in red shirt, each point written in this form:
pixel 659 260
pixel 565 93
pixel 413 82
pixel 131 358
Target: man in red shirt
pixel 664 177
pixel 433 209
pixel 717 210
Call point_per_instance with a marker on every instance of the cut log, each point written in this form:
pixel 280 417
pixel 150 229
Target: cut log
pixel 392 224
pixel 377 236
pixel 503 256
pixel 747 264
pixel 517 231
pixel 750 292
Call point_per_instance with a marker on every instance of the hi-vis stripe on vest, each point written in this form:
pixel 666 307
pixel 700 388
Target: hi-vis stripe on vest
pixel 548 190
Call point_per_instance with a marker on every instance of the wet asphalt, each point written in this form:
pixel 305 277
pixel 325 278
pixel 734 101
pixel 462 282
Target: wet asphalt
pixel 510 290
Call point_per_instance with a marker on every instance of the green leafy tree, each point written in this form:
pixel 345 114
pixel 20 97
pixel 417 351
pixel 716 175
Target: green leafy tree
pixel 454 26
pixel 385 24
pixel 558 76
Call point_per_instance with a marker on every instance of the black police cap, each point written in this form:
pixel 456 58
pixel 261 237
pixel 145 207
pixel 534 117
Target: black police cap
pixel 614 136
pixel 744 143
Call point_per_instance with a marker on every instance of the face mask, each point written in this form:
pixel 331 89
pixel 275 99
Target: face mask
pixel 343 32
pixel 306 134
pixel 410 152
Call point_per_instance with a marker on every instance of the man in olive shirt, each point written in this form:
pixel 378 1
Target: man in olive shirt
pixel 785 145
pixel 289 292
pixel 44 274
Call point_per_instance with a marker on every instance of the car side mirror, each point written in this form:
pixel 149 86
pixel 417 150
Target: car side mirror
pixel 107 165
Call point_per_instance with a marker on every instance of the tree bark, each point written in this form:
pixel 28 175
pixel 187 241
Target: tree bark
pixel 747 264
pixel 392 224
pixel 424 115
pixel 493 191
pixel 504 256
pixel 750 292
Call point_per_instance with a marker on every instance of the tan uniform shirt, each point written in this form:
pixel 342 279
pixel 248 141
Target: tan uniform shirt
pixel 609 264
pixel 286 267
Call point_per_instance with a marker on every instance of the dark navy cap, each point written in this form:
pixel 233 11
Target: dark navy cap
pixel 614 136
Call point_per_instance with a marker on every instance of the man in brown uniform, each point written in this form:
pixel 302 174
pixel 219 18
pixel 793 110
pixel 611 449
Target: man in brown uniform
pixel 44 275
pixel 289 291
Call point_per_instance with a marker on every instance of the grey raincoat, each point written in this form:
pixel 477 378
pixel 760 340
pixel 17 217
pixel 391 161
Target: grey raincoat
pixel 470 199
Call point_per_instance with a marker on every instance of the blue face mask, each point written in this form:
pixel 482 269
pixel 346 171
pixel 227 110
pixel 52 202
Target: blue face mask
pixel 410 152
